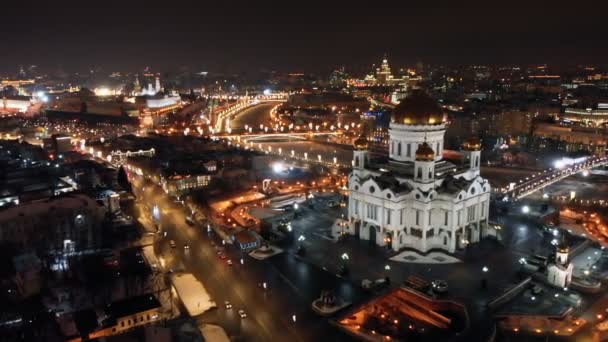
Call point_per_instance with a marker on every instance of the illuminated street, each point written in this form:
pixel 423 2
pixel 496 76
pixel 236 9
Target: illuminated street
pixel 290 289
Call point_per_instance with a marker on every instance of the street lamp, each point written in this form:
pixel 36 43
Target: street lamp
pixel 484 281
pixel 343 270
pixel 301 249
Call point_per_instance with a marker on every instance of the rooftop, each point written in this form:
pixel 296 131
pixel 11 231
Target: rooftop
pixel 132 305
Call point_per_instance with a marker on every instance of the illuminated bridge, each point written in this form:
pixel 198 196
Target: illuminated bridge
pixel 377 103
pixel 275 136
pixel 244 102
pixel 537 181
pixel 256 142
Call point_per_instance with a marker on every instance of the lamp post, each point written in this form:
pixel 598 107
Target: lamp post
pixel 157 218
pixel 343 270
pixel 484 281
pixel 301 249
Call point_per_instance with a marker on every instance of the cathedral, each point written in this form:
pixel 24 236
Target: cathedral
pixel 150 90
pixel 416 199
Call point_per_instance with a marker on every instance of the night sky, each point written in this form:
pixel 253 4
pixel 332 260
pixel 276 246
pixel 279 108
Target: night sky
pixel 297 35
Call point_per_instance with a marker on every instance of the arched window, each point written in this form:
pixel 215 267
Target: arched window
pixel 409 150
pixel 399 148
pixel 419 172
pixel 356 161
pixel 430 173
pixel 477 161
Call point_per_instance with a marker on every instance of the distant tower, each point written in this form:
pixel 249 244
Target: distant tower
pixel 137 85
pixel 383 73
pixel 157 85
pixel 424 166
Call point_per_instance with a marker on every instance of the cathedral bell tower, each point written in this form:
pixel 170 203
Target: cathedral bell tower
pixel 424 166
pixel 472 148
pixel 361 152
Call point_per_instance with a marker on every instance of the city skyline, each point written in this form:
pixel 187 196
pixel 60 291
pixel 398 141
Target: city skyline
pixel 312 39
pixel 281 171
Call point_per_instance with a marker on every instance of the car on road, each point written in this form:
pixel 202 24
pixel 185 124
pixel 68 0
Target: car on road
pixel 111 259
pixel 218 252
pixel 229 262
pixel 242 313
pixel 537 290
pixel 228 305
pixel 186 246
pixel 374 284
pixel 439 286
pixel 333 204
pixel 189 221
pixel 223 256
pixel 172 243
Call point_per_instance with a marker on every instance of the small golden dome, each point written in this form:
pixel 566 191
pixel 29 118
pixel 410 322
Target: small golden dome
pixel 472 144
pixel 425 152
pixel 563 246
pixel 361 142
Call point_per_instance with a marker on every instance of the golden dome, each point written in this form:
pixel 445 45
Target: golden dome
pixel 472 144
pixel 425 152
pixel 361 142
pixel 418 108
pixel 563 246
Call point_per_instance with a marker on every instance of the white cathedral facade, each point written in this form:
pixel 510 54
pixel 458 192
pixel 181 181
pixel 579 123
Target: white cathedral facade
pixel 150 90
pixel 415 199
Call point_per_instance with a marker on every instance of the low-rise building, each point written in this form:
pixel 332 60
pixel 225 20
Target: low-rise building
pixel 60 225
pixel 573 138
pixel 16 103
pixel 116 318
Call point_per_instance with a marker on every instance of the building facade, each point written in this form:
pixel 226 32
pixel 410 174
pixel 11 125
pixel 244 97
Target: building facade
pixel 415 199
pixel 61 225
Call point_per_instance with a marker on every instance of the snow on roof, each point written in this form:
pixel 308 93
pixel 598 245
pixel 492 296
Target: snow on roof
pixel 70 202
pixel 193 294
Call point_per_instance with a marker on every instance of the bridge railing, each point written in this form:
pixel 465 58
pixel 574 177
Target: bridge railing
pixel 529 186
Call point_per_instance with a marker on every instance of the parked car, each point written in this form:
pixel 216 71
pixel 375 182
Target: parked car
pixel 370 285
pixel 333 204
pixel 537 290
pixel 189 221
pixel 439 286
pixel 242 313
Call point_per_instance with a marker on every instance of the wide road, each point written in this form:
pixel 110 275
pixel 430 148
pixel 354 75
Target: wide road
pixel 292 285
pixel 253 116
